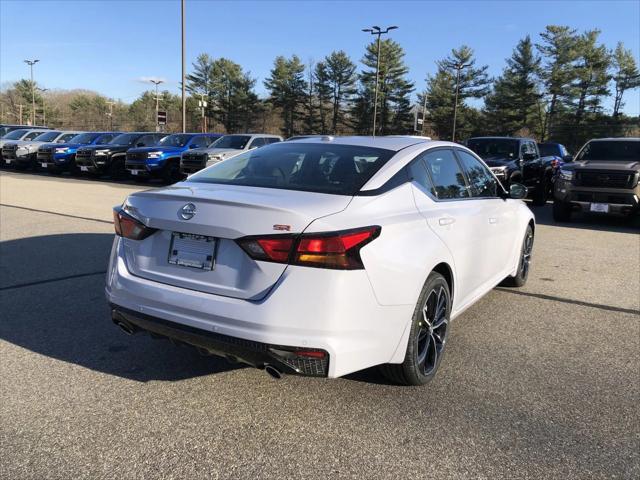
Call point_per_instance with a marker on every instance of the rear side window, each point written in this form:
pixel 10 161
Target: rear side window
pixel 257 142
pixel 334 169
pixel 446 174
pixel 481 182
pixel 32 135
pixel 200 142
pixel 146 140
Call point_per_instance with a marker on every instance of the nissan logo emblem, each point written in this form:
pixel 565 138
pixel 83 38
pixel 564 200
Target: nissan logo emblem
pixel 188 211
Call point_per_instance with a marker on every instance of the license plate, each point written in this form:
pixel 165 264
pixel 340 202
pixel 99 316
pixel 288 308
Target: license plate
pixel 84 169
pixel 135 172
pixel 600 207
pixel 44 165
pixel 8 162
pixel 193 251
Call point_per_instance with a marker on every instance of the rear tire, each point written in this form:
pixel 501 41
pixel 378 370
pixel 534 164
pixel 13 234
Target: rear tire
pixel 116 169
pixel 524 264
pixel 171 172
pixel 428 336
pixel 561 211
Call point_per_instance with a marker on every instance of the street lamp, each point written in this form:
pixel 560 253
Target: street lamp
pixel 375 30
pixel 184 98
pixel 44 111
pixel 156 83
pixel 31 63
pixel 458 66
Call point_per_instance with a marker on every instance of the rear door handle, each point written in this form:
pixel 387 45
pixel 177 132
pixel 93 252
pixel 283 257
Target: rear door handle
pixel 446 221
pixel 493 221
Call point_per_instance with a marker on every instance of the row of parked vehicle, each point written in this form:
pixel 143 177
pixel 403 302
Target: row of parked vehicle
pixel 603 177
pixel 142 155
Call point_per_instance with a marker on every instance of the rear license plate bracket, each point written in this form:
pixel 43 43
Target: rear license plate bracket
pixel 192 251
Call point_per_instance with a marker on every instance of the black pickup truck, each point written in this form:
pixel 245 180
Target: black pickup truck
pixel 109 158
pixel 517 160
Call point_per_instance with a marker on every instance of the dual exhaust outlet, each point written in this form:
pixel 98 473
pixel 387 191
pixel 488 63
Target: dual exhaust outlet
pixel 129 329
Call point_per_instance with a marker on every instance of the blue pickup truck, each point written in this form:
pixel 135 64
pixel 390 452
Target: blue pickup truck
pixel 163 159
pixel 61 157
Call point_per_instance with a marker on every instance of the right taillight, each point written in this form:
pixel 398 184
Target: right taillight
pixel 338 250
pixel 129 227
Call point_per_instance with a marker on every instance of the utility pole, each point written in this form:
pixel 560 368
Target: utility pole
pixel 184 98
pixel 458 66
pixel 31 63
pixel 110 115
pixel 44 111
pixel 156 83
pixel 424 113
pixel 20 107
pixel 375 30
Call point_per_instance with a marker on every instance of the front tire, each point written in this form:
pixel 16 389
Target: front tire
pixel 524 264
pixel 428 336
pixel 541 193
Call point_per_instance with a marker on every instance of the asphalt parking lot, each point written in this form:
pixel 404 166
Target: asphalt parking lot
pixel 541 382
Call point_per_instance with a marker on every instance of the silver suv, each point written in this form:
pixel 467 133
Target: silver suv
pixel 225 147
pixel 22 153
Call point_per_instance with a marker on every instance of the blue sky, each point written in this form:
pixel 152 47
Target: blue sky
pixel 108 46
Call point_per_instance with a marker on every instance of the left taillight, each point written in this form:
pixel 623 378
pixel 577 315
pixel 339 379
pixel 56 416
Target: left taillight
pixel 129 227
pixel 337 250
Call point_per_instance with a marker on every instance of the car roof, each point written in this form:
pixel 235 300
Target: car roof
pixel 503 138
pixel 387 143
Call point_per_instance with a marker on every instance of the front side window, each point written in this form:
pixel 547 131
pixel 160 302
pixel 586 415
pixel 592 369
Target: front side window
pixel 147 140
pixel 102 139
pixel 257 142
pixel 66 137
pixel 481 182
pixel 334 169
pixel 176 140
pixel 494 148
pixel 84 138
pixel 125 139
pixel 446 174
pixel 200 142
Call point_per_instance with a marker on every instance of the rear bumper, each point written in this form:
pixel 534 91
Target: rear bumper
pixel 330 310
pixel 235 349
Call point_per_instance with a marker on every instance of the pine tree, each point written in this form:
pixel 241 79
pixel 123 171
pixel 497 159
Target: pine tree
pixel 625 75
pixel 441 93
pixel 286 85
pixel 323 89
pixel 559 50
pixel 515 100
pixel 394 90
pixel 592 77
pixel 340 81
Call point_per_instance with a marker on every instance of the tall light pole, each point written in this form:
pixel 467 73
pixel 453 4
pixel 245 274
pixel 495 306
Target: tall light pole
pixel 31 63
pixel 156 83
pixel 44 111
pixel 184 98
pixel 458 66
pixel 375 30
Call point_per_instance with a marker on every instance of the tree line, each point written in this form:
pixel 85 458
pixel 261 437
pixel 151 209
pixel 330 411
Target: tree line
pixel 557 87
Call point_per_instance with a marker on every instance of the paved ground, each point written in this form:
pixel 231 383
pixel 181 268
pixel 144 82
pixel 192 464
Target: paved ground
pixel 542 382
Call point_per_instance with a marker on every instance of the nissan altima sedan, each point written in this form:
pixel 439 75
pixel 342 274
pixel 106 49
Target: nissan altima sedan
pixel 322 256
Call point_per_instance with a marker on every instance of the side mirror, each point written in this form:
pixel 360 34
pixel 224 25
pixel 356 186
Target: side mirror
pixel 517 191
pixel 567 158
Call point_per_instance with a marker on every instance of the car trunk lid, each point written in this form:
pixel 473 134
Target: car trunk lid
pixel 226 213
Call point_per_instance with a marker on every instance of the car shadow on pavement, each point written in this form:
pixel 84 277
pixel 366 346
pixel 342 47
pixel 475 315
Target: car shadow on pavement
pixel 544 216
pixel 52 303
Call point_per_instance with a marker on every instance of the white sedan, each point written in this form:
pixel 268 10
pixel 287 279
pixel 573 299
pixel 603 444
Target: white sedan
pixel 321 256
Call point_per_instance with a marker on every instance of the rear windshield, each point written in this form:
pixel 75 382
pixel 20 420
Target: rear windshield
pixel 607 150
pixel 488 148
pixel 336 169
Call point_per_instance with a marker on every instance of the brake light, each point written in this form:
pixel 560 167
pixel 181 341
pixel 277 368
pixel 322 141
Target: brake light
pixel 339 250
pixel 129 227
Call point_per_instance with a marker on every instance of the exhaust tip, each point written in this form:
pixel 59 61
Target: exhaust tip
pixel 273 372
pixel 126 328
